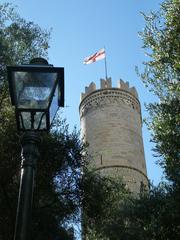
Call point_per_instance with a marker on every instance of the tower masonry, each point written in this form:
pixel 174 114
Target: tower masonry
pixel 112 126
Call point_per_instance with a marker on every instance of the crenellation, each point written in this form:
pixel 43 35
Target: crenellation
pixel 82 96
pixel 123 85
pixel 133 91
pixel 106 83
pixel 90 88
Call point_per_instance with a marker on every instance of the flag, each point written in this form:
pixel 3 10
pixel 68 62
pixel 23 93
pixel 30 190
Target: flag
pixel 95 57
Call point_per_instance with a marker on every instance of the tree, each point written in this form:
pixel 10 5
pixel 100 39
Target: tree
pixel 152 215
pixel 162 74
pixel 101 198
pixel 161 43
pixel 56 197
pixel 56 193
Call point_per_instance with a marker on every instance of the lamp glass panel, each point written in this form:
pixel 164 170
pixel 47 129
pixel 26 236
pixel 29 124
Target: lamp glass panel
pixel 34 89
pixel 32 121
pixel 25 120
pixel 54 105
pixel 40 121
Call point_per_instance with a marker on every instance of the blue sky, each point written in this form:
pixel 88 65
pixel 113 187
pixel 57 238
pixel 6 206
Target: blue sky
pixel 82 27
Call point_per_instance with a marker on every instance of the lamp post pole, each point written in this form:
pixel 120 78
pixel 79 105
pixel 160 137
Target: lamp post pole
pixel 33 89
pixel 30 153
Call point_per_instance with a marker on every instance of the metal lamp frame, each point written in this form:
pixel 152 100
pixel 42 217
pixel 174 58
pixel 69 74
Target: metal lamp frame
pixel 35 69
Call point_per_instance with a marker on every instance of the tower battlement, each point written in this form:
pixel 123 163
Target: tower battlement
pixel 106 84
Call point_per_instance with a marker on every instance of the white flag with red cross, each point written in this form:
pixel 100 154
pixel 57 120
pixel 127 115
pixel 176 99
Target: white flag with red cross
pixel 95 57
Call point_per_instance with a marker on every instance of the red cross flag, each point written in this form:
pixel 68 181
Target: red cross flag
pixel 95 57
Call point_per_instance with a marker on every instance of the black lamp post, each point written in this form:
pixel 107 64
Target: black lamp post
pixel 37 91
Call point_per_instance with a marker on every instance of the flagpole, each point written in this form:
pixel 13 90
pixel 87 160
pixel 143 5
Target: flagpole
pixel 101 54
pixel 105 65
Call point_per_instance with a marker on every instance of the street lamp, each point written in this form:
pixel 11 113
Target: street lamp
pixel 37 91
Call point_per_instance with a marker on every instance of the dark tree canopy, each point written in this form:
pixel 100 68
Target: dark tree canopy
pixel 56 196
pixel 161 40
pixel 162 46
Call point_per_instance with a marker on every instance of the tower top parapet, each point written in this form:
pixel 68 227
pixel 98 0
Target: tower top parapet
pixel 107 84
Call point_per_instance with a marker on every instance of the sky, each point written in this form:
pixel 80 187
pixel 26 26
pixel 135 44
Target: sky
pixel 82 27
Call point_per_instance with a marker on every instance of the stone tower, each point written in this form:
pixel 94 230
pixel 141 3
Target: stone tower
pixel 111 124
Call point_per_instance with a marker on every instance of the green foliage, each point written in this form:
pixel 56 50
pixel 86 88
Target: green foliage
pixel 161 37
pixel 101 197
pixel 56 195
pixel 165 126
pixel 162 74
pixel 154 215
pixel 20 40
